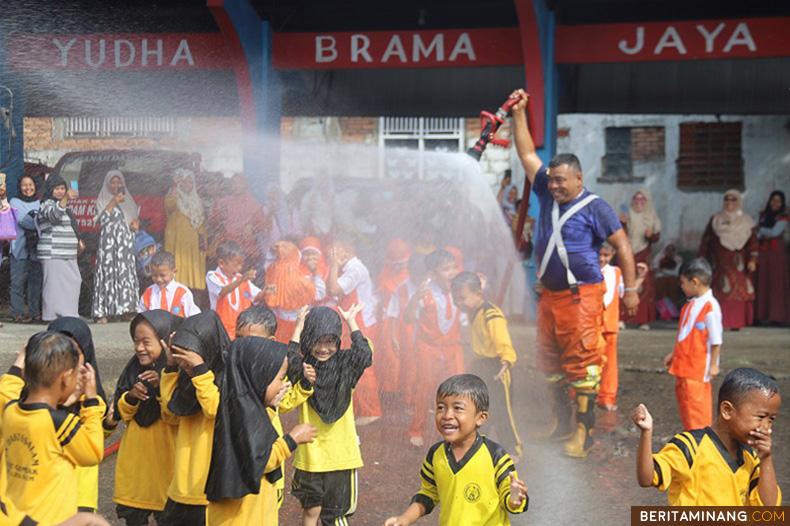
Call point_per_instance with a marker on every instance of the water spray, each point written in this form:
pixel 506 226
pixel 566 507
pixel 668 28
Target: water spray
pixel 490 123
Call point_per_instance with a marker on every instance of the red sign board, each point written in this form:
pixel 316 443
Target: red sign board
pixel 118 52
pixel 689 40
pixel 398 49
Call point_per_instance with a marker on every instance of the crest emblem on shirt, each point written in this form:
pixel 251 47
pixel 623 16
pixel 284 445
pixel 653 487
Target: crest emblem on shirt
pixel 700 325
pixel 176 310
pixel 247 295
pixel 472 492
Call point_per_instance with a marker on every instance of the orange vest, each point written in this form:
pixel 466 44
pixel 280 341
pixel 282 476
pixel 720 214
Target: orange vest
pixel 429 330
pixel 611 312
pixel 176 307
pixel 691 358
pixel 230 306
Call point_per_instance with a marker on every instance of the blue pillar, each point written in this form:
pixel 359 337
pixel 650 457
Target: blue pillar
pixel 249 40
pixel 11 138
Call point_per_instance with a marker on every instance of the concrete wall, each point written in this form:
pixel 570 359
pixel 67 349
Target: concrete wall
pixel 765 144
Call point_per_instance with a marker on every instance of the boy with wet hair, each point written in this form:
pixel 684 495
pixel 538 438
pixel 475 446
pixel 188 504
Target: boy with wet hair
pixel 437 335
pixel 727 464
pixel 43 443
pixel 257 320
pixel 472 478
pixel 165 292
pixel 492 348
pixel 695 359
pixel 229 291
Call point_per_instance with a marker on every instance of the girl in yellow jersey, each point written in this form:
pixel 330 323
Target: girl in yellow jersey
pixel 248 452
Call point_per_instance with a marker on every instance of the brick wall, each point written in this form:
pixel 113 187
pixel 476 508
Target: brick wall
pixel 647 144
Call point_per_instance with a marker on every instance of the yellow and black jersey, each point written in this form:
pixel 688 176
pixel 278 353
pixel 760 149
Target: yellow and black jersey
pixel 294 397
pixel 475 490
pixel 146 457
pixel 490 335
pixel 336 445
pixel 43 447
pixel 11 385
pixel 697 469
pixel 194 436
pixel 10 516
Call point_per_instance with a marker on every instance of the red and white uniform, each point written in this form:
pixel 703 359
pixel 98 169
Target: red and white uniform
pixel 700 329
pixel 175 298
pixel 230 306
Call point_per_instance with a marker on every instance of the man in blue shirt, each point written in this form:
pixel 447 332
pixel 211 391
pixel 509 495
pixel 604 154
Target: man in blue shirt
pixel 572 226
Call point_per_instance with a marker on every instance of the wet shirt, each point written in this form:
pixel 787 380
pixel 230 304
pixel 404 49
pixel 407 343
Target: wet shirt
pixel 474 490
pixel 584 233
pixel 697 470
pixel 490 335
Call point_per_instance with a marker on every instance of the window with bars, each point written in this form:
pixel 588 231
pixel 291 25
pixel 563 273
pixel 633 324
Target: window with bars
pixel 91 127
pixel 710 156
pixel 405 144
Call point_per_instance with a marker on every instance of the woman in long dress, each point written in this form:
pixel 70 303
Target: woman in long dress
pixel 644 228
pixel 115 285
pixel 185 232
pixel 730 245
pixel 772 305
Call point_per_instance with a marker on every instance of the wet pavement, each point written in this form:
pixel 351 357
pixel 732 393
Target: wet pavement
pixel 596 491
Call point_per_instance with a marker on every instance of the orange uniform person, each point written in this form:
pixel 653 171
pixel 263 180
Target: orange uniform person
pixel 439 352
pixel 166 293
pixel 695 360
pixel 572 226
pixel 613 279
pixel 229 291
pixel 349 280
pixel 394 274
pixel 287 289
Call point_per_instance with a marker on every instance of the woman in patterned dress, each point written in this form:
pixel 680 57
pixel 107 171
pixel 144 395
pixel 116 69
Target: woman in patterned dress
pixel 115 286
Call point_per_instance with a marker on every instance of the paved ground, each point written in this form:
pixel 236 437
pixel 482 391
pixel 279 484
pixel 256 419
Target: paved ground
pixel 598 490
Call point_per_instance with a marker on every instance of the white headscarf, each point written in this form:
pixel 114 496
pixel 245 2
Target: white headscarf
pixel 733 228
pixel 640 222
pixel 189 203
pixel 128 207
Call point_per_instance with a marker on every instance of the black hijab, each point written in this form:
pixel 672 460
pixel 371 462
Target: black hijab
pixel 243 432
pixel 20 195
pixel 148 411
pixel 337 376
pixel 78 330
pixel 768 217
pixel 204 334
pixel 53 181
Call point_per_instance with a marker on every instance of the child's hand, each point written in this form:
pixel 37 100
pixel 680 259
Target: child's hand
pixel 518 491
pixel 170 361
pixel 309 373
pixel 642 418
pixel 303 433
pixel 641 270
pixel 505 366
pixel 761 441
pixel 714 369
pixel 302 315
pixel 20 358
pixel 350 315
pixel 250 275
pixel 109 418
pixel 139 391
pixel 397 521
pixel 186 359
pixel 668 359
pixel 280 396
pixel 89 381
pixel 150 376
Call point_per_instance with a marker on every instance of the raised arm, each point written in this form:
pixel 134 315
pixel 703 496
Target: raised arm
pixel 525 146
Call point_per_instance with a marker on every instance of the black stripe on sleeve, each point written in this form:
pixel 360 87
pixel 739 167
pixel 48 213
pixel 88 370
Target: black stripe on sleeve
pixel 65 424
pixel 65 441
pixel 691 440
pixel 27 521
pixel 683 447
pixel 657 470
pixel 505 473
pixel 428 478
pixel 15 371
pixel 425 501
pixel 90 402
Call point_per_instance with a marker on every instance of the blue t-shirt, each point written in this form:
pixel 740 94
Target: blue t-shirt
pixel 584 233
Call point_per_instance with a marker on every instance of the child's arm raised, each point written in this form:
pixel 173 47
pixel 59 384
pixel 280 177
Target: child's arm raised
pixel 361 349
pixel 644 455
pixel 233 285
pixel 12 383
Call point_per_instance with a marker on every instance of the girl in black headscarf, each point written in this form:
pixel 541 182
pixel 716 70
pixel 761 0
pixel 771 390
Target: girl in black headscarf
pixel 144 467
pixel 87 477
pixel 57 249
pixel 246 444
pixel 190 392
pixel 325 480
pixel 772 301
